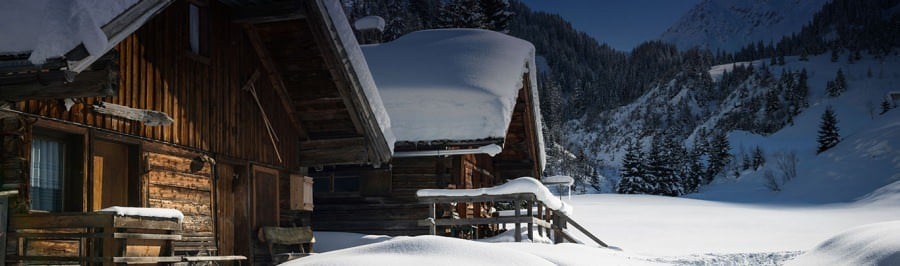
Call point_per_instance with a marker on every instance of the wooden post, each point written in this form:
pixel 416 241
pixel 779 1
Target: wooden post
pixel 529 204
pixel 4 211
pixel 540 213
pixel 557 230
pixel 109 245
pixel 518 210
pixel 431 216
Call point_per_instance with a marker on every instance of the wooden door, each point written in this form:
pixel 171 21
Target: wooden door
pixel 265 199
pixel 233 187
pixel 111 165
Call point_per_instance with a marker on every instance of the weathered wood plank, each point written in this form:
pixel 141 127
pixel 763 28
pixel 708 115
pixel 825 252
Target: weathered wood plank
pixel 178 179
pixel 53 85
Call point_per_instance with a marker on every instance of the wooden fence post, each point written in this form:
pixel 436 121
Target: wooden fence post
pixel 518 211
pixel 529 204
pixel 431 216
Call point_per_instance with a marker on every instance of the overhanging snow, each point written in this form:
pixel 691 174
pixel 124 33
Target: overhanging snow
pixel 453 84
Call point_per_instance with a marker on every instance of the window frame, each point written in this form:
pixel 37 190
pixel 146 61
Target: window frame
pixel 203 30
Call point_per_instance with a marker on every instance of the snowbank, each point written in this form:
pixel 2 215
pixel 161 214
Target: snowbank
pixel 518 185
pixel 50 29
pixel 436 250
pixel 145 212
pixel 453 84
pixel 369 23
pixel 873 244
pixel 331 241
pixel 358 63
pixel 510 237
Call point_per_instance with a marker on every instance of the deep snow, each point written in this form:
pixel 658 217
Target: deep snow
pixel 453 84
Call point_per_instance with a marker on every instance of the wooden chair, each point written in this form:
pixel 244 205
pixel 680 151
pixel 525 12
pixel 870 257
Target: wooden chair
pixel 288 236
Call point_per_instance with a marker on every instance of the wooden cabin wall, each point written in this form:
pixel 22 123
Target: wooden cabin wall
pixel 394 213
pixel 201 93
pixel 520 145
pixel 476 171
pixel 397 212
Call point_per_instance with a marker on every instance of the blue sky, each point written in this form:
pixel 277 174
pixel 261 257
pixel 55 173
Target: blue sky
pixel 622 24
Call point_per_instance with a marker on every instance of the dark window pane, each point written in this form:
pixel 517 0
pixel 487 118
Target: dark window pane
pixel 346 184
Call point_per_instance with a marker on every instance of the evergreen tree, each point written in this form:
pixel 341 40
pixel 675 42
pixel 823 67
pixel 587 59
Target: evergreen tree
pixel 719 156
pixel 693 175
pixel 834 55
pixel 838 86
pixel 496 15
pixel 632 171
pixel 885 106
pixel 831 90
pixel 804 55
pixel 758 158
pixel 802 90
pixel 829 134
pixel 660 175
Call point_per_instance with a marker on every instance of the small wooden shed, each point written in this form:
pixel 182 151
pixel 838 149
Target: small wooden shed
pixel 464 110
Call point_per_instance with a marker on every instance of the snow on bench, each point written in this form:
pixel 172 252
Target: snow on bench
pixel 145 212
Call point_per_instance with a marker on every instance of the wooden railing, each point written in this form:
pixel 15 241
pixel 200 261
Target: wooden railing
pixel 536 214
pixel 96 238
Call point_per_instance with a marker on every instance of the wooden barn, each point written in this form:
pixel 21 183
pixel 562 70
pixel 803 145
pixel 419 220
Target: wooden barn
pixel 215 108
pixel 464 110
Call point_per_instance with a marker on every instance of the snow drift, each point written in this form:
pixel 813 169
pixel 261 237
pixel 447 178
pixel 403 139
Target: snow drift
pixel 873 244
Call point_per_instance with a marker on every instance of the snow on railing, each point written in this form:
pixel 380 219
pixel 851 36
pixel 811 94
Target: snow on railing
pixel 518 185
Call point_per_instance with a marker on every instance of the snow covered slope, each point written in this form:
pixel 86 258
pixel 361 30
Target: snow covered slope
pixel 732 24
pixel 866 160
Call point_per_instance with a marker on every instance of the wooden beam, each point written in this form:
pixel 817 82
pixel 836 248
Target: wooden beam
pixel 147 117
pixel 53 85
pixel 331 143
pixel 270 12
pixel 274 77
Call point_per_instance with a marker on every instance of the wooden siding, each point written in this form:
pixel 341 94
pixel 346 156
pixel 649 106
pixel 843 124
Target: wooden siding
pixel 203 94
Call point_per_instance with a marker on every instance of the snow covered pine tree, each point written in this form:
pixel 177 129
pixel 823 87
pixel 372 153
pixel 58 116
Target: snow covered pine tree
pixel 829 134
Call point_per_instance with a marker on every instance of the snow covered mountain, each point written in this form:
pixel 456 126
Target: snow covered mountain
pixel 864 161
pixel 731 24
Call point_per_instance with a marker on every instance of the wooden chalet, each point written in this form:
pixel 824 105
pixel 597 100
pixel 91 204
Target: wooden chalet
pixel 434 148
pixel 215 108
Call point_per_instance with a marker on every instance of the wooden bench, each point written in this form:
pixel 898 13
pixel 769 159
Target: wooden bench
pixel 288 236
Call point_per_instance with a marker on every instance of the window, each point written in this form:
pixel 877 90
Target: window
pixel 47 172
pixel 198 28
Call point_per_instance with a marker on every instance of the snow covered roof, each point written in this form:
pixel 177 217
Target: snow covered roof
pixel 453 84
pixel 48 29
pixel 358 66
pixel 369 23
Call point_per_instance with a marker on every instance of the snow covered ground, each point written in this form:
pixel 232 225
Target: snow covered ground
pixel 837 211
pixel 655 230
